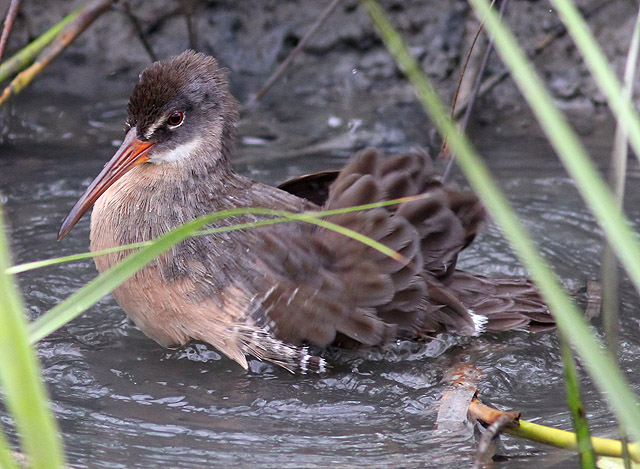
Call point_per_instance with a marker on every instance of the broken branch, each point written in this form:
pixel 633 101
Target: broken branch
pixel 547 435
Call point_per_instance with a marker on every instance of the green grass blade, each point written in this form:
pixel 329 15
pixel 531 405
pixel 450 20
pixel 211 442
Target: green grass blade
pixel 600 366
pixel 350 234
pixel 578 415
pixel 27 266
pixel 575 159
pixel 91 293
pixel 20 379
pixel 6 457
pixel 564 439
pixel 20 268
pixel 569 148
pixel 600 69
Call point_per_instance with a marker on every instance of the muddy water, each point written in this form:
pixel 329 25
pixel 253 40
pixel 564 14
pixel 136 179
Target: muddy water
pixel 123 401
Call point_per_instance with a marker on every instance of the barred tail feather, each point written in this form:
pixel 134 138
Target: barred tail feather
pixel 296 359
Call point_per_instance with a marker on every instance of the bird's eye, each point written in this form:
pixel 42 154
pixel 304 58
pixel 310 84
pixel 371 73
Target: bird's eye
pixel 176 119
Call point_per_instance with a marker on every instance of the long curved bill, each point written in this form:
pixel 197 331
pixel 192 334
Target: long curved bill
pixel 131 153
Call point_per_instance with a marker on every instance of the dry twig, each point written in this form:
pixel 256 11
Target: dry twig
pixel 8 23
pixel 473 96
pixel 86 16
pixel 294 53
pixel 189 9
pixel 454 404
pixel 543 43
pixel 126 7
pixel 484 446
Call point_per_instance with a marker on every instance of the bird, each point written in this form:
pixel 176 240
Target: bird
pixel 283 293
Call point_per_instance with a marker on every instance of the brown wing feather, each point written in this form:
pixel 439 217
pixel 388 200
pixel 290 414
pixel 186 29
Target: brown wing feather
pixel 426 231
pixel 313 187
pixel 508 304
pixel 319 287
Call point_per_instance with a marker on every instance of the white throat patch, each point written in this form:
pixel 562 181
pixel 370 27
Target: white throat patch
pixel 179 153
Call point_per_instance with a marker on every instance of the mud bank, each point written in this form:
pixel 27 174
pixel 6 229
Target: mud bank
pixel 344 61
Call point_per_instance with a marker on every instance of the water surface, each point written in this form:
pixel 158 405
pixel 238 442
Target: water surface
pixel 123 401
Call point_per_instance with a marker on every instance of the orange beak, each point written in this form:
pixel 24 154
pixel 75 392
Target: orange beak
pixel 131 153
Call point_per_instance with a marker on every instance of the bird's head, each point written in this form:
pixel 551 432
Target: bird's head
pixel 180 109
